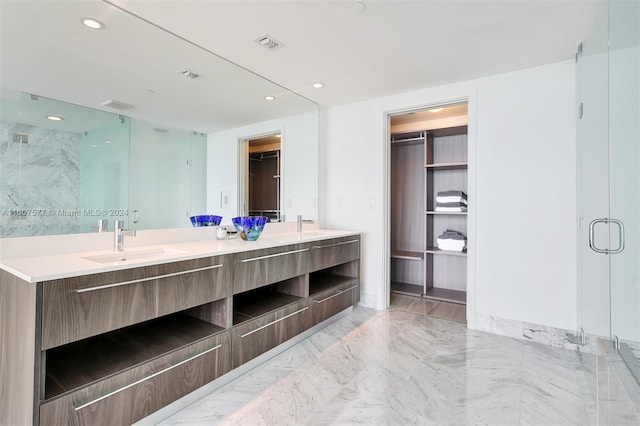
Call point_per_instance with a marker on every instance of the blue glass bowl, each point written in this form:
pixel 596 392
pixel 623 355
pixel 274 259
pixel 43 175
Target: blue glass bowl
pixel 249 227
pixel 206 220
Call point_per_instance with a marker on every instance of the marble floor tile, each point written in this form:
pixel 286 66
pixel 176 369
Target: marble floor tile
pixel 421 306
pixel 450 311
pixel 397 367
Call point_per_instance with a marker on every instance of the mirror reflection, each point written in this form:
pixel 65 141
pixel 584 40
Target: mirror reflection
pixel 166 107
pixel 63 167
pixel 264 177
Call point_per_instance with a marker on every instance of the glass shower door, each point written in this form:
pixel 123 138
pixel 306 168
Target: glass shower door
pixel 624 178
pixel 592 75
pixel 608 205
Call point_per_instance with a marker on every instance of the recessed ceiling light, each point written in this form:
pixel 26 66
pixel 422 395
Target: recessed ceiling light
pixel 107 141
pixel 318 85
pixel 269 98
pixel 435 110
pixel 94 24
pixel 54 118
pixel 94 146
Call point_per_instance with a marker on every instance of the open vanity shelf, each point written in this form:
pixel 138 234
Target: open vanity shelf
pixel 255 303
pixel 323 281
pixel 77 364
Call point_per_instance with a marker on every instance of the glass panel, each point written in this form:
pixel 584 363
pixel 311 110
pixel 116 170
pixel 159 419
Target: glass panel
pixel 198 181
pixel 60 177
pixel 168 176
pixel 593 178
pixel 624 148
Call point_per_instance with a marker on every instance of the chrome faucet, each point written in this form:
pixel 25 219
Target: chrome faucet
pixel 301 221
pixel 119 233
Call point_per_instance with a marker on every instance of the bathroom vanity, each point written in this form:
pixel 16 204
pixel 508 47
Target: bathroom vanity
pixel 110 342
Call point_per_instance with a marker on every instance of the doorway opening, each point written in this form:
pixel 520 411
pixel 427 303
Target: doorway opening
pixel 263 192
pixel 428 203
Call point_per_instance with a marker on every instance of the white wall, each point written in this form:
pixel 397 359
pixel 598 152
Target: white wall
pixel 522 199
pixel 299 168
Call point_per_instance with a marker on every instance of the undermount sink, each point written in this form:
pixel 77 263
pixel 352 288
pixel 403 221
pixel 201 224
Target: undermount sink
pixel 295 236
pixel 123 256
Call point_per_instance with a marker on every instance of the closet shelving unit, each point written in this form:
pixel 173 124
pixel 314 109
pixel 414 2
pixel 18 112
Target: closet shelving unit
pixel 418 267
pixel 445 164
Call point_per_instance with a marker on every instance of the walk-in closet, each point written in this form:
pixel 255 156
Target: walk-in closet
pixel 429 203
pixel 264 177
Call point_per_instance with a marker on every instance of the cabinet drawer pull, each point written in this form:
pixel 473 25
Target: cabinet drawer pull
pixel 171 367
pixel 100 287
pixel 334 244
pixel 337 294
pixel 276 321
pixel 274 255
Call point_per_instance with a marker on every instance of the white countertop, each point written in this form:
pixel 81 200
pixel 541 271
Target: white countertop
pixel 51 267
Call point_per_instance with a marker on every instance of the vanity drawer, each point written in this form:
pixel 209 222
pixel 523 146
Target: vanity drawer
pixel 80 307
pixel 255 337
pixel 134 394
pixel 328 253
pixel 211 282
pixel 328 303
pixel 260 267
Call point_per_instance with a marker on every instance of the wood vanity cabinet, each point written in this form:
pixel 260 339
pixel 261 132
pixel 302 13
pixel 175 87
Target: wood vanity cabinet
pixel 340 295
pixel 270 306
pixel 80 307
pixel 256 336
pixel 135 393
pixel 114 347
pixel 327 253
pixel 256 268
pixel 334 282
pixel 118 346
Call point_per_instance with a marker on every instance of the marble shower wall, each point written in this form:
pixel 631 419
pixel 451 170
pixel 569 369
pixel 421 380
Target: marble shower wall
pixel 37 179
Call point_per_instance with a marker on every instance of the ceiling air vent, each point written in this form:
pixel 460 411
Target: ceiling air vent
pixel 116 104
pixel 268 42
pixel 186 72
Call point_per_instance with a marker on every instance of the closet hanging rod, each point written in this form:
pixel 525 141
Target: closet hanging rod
pixel 410 136
pixel 262 157
pixel 408 140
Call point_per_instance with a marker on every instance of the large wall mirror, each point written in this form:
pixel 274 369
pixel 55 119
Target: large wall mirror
pixel 150 124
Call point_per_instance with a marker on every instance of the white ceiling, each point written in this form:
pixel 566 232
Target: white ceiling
pixel 389 47
pixel 47 51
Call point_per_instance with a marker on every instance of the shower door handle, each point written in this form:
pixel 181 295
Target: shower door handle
pixel 620 236
pixel 605 220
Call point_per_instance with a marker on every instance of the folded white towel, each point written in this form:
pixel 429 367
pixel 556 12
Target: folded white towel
pixel 451 194
pixel 451 243
pixel 453 199
pixel 452 247
pixel 451 209
pixel 456 249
